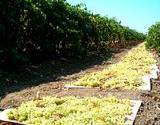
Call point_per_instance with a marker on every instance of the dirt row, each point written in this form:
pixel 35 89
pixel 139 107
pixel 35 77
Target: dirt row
pixel 149 113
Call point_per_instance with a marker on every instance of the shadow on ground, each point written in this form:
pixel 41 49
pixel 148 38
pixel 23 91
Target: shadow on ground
pixel 49 71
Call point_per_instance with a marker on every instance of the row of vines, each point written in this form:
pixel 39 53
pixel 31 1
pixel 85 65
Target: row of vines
pixel 153 37
pixel 35 30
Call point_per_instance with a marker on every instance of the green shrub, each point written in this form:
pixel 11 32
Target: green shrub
pixel 153 37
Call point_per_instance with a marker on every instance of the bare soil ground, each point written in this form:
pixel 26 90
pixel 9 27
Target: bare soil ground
pixel 48 79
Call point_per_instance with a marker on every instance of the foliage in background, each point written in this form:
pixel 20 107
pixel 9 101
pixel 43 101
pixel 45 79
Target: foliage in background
pixel 153 37
pixel 33 30
pixel 131 34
